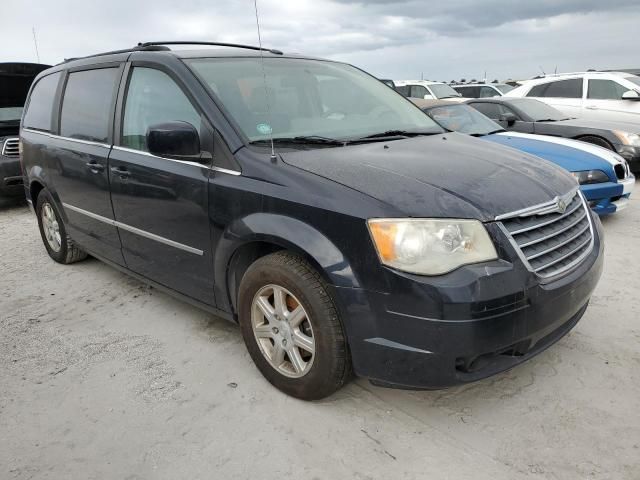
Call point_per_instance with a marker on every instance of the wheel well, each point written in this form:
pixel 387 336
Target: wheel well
pixel 34 190
pixel 247 254
pixel 585 138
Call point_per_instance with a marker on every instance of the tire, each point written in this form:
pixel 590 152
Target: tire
pixel 57 242
pixel 601 142
pixel 317 372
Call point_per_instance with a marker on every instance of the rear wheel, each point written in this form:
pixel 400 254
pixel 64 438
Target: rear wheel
pixel 291 327
pixel 601 142
pixel 58 243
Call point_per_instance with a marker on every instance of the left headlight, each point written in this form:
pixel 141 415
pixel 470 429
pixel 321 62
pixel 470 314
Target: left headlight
pixel 627 138
pixel 590 176
pixel 430 246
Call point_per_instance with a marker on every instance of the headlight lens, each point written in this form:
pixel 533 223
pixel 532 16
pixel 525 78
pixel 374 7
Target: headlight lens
pixel 430 246
pixel 628 138
pixel 590 176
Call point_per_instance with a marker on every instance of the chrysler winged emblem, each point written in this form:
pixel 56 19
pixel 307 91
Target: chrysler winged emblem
pixel 561 205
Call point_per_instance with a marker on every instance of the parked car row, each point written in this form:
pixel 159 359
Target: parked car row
pixel 344 229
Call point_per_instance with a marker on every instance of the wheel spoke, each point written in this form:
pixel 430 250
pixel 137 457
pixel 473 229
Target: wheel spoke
pixel 296 359
pixel 297 316
pixel 266 308
pixel 303 341
pixel 279 301
pixel 278 354
pixel 263 331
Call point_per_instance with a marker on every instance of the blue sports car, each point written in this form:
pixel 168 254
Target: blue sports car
pixel 603 175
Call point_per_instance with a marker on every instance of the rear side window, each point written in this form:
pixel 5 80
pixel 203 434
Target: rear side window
pixel 86 108
pixel 40 108
pixel 418 91
pixel 561 89
pixel 468 92
pixel 605 90
pixel 491 110
pixel 153 98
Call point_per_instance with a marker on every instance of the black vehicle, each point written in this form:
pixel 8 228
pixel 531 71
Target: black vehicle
pixel 528 115
pixel 366 238
pixel 15 80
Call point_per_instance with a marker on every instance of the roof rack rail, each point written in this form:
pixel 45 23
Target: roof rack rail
pixel 125 50
pixel 215 44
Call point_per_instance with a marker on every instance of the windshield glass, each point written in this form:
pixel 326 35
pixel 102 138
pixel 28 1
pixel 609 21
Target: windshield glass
pixel 440 90
pixel 633 79
pixel 503 87
pixel 10 114
pixel 538 110
pixel 463 119
pixel 307 98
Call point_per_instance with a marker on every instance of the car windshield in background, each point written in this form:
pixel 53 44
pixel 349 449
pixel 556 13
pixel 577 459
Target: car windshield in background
pixel 538 110
pixel 463 119
pixel 10 114
pixel 633 79
pixel 307 98
pixel 504 88
pixel 440 90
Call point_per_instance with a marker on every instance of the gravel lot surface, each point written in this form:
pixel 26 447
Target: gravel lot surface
pixel 104 377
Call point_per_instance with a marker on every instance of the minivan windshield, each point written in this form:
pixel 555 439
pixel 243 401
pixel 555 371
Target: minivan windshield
pixel 307 98
pixel 463 119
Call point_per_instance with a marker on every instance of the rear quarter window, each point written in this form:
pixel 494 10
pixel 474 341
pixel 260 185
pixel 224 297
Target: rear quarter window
pixel 86 107
pixel 40 106
pixel 571 88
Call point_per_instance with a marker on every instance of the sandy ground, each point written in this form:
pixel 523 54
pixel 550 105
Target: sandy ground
pixel 103 377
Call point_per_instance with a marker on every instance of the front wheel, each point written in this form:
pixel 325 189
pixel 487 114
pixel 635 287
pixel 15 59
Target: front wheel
pixel 58 243
pixel 292 328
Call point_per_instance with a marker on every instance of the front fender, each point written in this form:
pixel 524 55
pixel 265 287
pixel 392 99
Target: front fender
pixel 284 232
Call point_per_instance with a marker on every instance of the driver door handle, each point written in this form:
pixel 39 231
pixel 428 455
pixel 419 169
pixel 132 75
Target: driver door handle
pixel 95 167
pixel 591 107
pixel 122 172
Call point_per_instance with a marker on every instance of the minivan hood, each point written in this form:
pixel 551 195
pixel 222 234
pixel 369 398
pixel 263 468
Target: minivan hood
pixel 444 175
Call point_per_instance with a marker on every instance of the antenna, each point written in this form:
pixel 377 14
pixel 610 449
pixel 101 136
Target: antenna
pixel 35 42
pixel 543 72
pixel 264 78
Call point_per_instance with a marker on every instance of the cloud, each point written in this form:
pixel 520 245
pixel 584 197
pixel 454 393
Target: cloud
pixel 445 40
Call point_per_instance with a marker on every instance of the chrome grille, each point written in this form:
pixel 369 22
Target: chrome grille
pixel 10 147
pixel 552 243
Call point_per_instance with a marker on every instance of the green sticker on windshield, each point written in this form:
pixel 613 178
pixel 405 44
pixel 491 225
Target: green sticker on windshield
pixel 263 128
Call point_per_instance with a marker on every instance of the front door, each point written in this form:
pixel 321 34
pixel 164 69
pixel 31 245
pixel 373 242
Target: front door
pixel 604 101
pixel 79 158
pixel 161 205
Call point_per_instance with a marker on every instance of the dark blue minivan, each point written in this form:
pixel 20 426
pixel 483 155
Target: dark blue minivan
pixel 343 229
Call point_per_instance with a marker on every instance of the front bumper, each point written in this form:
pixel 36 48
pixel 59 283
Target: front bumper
pixel 429 333
pixel 11 181
pixel 608 197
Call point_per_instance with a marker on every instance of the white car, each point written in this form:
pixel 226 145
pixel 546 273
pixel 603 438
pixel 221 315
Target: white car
pixel 482 90
pixel 427 89
pixel 594 95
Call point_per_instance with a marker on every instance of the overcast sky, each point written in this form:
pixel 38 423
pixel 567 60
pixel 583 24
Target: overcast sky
pixel 443 40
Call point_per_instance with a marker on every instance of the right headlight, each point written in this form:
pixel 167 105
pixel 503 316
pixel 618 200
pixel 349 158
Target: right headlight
pixel 590 176
pixel 430 246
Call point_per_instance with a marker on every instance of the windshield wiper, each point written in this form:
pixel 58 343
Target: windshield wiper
pixel 303 140
pixel 549 120
pixel 391 134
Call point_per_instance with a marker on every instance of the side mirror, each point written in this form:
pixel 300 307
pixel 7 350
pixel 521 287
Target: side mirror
pixel 179 140
pixel 630 95
pixel 508 118
pixel 428 97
